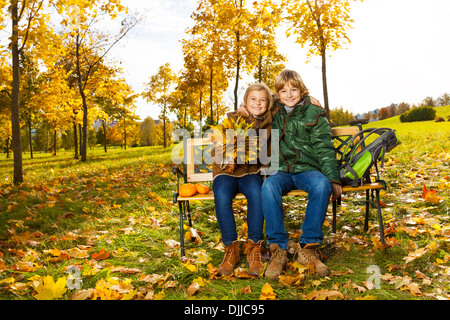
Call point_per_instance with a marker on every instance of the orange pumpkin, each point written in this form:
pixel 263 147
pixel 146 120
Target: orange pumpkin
pixel 187 190
pixel 201 188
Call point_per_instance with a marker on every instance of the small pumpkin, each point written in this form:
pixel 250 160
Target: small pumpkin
pixel 201 188
pixel 187 190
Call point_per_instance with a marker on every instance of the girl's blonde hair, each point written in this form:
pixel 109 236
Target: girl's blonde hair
pixel 292 77
pixel 256 87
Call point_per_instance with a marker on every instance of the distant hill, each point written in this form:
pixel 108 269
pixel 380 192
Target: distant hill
pixel 443 112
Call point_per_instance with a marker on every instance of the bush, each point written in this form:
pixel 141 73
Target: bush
pixel 359 121
pixel 419 114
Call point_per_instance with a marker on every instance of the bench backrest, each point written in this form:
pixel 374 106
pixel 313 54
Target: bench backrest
pixel 197 159
pixel 198 162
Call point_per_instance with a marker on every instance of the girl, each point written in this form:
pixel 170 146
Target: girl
pixel 245 179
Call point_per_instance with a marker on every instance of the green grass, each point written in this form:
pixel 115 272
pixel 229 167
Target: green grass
pixel 121 202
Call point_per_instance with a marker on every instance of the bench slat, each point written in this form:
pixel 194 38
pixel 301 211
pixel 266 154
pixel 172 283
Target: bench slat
pixel 293 193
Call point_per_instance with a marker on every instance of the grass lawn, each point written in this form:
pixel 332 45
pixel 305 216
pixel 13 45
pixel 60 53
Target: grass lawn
pixel 107 229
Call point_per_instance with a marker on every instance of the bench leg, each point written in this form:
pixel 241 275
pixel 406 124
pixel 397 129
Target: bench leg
pixel 181 205
pixel 334 215
pixel 368 204
pixel 380 217
pixel 185 210
pixel 188 213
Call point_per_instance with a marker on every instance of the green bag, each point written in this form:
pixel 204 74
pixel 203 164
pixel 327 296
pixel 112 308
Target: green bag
pixel 355 165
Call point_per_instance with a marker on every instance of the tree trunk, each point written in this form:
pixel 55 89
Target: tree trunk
pixel 46 144
pixel 75 140
pixel 211 96
pixel 260 68
pixel 80 134
pixel 164 127
pixel 54 143
pixel 31 139
pixel 8 146
pixel 201 115
pixel 15 112
pixel 236 87
pixel 104 131
pixel 83 150
pixel 325 85
pixel 125 133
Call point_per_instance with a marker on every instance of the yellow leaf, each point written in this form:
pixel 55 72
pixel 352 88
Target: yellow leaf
pixel 48 289
pixel 159 296
pixel 201 282
pixel 8 281
pixel 267 293
pixel 190 266
pixel 301 268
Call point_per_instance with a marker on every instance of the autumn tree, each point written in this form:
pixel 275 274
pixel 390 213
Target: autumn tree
pixel 158 91
pixel 230 28
pixel 208 44
pixel 28 26
pixel 147 132
pixel 90 47
pixel 30 97
pixel 443 100
pixel 322 25
pixel 270 62
pixel 384 113
pixel 237 20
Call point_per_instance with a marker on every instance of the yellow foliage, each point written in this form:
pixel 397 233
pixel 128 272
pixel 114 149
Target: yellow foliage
pixel 48 289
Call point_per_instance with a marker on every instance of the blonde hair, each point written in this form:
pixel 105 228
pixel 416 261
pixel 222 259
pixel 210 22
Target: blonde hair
pixel 257 87
pixel 292 77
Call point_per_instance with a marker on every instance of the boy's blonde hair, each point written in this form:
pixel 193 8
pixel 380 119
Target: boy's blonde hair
pixel 256 87
pixel 292 77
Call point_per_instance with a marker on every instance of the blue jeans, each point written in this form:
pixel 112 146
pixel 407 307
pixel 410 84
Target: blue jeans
pixel 225 188
pixel 319 191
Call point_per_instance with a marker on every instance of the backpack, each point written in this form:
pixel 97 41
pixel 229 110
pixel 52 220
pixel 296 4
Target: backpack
pixel 355 165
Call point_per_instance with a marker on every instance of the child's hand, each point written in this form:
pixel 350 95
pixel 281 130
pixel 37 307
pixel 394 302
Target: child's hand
pixel 243 111
pixel 315 102
pixel 337 191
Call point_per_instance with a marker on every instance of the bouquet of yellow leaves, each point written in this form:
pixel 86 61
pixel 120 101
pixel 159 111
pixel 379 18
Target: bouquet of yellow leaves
pixel 237 140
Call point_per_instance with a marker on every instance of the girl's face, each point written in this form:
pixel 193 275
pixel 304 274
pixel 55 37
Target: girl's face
pixel 257 102
pixel 289 96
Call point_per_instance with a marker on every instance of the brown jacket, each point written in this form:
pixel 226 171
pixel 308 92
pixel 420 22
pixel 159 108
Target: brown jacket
pixel 240 170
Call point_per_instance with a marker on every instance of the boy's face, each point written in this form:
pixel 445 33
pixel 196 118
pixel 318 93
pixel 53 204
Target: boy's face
pixel 257 102
pixel 289 96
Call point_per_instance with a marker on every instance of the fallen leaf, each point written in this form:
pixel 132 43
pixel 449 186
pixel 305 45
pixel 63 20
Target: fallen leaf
pixel 78 253
pixel 193 288
pixel 48 289
pixel 82 294
pixel 189 266
pixel 101 255
pixel 267 293
pixel 324 295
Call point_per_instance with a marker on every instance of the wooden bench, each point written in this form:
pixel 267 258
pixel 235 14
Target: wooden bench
pixel 194 169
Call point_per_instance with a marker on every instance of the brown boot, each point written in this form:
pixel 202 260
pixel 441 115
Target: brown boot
pixel 231 258
pixel 310 254
pixel 277 263
pixel 253 252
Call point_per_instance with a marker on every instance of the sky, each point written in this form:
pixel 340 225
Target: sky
pixel 399 52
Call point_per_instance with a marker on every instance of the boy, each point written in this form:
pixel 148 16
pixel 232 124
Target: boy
pixel 307 161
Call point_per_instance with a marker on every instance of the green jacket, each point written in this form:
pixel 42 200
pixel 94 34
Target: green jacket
pixel 305 140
